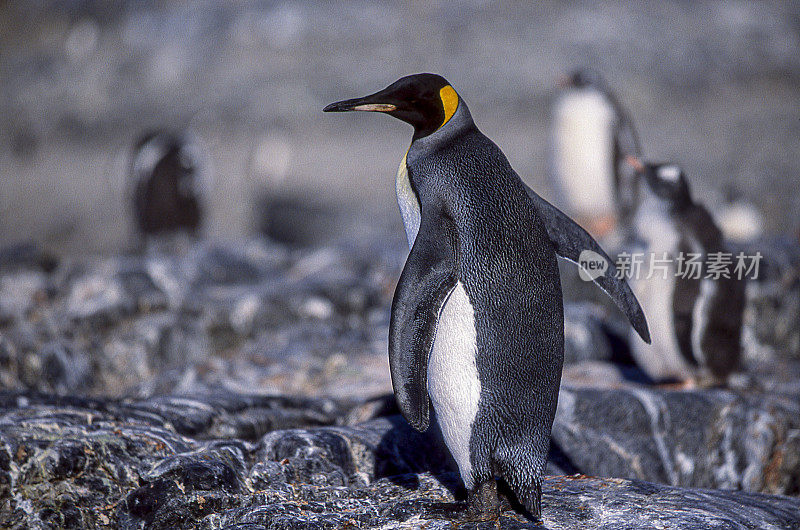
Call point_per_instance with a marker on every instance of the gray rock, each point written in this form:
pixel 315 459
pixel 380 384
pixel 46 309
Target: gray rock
pixel 59 367
pixel 184 342
pixel 772 314
pixel 139 285
pixel 67 461
pixel 591 333
pixel 237 416
pixel 244 315
pixel 9 365
pixel 98 300
pixel 25 256
pixel 699 438
pixel 20 292
pixel 86 463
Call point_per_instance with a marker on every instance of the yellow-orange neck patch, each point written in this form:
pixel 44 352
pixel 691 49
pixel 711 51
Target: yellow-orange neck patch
pixel 449 102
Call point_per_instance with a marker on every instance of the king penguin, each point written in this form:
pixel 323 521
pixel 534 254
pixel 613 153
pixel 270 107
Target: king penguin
pixel 477 320
pixel 695 317
pixel 592 136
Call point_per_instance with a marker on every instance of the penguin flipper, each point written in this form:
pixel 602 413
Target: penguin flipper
pixel 428 278
pixel 569 240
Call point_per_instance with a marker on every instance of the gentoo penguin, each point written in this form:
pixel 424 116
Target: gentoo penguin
pixel 695 315
pixel 477 322
pixel 168 183
pixel 592 135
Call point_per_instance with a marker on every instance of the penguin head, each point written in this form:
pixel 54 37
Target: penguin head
pixel 426 101
pixel 169 157
pixel 583 78
pixel 667 182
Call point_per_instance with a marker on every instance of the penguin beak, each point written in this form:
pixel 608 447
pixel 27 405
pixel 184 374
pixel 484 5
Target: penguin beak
pixel 635 163
pixel 381 101
pixel 367 104
pixel 643 170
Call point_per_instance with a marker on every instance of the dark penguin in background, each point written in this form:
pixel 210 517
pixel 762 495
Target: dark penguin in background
pixel 592 136
pixel 168 183
pixel 477 324
pixel 696 322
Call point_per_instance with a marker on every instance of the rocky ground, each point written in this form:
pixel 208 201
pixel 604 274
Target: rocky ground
pixel 245 385
pixel 237 462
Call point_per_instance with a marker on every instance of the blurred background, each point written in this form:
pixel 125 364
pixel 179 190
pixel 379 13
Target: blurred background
pixel 713 85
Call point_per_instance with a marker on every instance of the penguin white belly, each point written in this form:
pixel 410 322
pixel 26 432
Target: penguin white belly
pixel 584 149
pixel 453 383
pixel 662 358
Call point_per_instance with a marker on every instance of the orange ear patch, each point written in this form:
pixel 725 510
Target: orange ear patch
pixel 449 102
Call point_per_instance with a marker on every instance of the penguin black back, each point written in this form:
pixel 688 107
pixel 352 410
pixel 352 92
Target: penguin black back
pixel 512 281
pixel 166 184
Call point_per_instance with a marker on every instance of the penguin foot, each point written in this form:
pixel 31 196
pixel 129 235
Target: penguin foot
pixel 484 504
pixel 709 380
pixel 685 384
pixel 599 226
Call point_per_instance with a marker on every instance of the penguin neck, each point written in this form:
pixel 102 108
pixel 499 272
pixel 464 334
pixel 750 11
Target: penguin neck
pixel 407 198
pixel 676 209
pixel 458 124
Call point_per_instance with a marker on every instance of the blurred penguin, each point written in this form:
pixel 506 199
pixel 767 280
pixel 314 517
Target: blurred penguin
pixel 738 218
pixel 169 184
pixel 695 320
pixel 592 135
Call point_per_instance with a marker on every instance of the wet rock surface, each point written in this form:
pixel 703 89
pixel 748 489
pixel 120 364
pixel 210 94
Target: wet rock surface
pixel 254 316
pixel 713 438
pixel 77 462
pixel 244 316
pixel 246 385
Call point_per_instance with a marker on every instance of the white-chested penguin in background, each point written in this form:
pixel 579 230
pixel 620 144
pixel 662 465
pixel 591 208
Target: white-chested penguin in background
pixel 695 321
pixel 477 324
pixel 738 218
pixel 168 183
pixel 592 136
